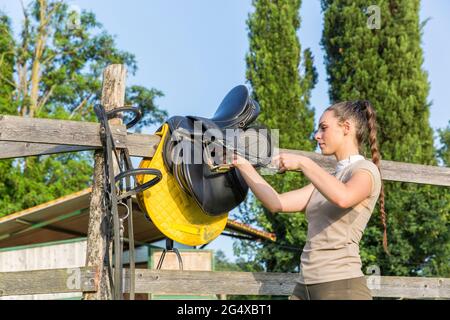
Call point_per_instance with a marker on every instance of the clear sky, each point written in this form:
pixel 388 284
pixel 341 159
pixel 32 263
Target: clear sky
pixel 194 51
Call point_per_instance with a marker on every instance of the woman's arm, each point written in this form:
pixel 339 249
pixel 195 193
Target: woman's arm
pixel 292 201
pixel 296 200
pixel 343 195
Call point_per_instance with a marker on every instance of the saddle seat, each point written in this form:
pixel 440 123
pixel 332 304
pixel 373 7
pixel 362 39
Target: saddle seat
pixel 215 192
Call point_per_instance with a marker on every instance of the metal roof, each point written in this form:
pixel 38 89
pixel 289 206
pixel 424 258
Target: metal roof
pixel 67 217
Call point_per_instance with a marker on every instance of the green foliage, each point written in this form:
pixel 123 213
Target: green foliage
pixel 7 60
pixel 222 263
pixel 54 70
pixel 143 98
pixel 6 66
pixel 444 151
pixel 43 179
pixel 384 66
pixel 282 77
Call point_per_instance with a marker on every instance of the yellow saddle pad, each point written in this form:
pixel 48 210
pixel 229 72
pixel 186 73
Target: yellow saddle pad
pixel 173 212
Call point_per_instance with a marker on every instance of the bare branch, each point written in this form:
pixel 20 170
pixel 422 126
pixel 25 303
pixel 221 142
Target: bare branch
pixel 45 98
pixel 2 77
pixel 80 106
pixel 41 38
pixel 24 10
pixel 49 58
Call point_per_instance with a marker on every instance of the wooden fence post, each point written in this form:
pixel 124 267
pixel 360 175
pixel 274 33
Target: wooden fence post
pixel 113 95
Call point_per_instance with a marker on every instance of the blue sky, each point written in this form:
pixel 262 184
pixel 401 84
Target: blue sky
pixel 194 51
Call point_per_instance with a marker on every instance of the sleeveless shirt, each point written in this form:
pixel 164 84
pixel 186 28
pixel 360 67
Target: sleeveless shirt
pixel 331 251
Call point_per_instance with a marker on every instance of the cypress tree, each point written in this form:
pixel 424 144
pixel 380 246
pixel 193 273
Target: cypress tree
pixel 384 66
pixel 281 76
pixel 444 151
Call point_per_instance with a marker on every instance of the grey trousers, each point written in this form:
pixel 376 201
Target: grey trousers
pixel 346 289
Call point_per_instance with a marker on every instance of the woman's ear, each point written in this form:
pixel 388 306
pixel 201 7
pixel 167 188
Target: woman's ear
pixel 346 127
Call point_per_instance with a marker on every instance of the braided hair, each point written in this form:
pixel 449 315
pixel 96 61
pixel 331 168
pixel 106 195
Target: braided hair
pixel 366 131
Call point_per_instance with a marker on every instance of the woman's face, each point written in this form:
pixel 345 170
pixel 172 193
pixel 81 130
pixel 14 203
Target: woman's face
pixel 330 135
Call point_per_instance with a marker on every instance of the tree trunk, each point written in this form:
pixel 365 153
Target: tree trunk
pixel 44 18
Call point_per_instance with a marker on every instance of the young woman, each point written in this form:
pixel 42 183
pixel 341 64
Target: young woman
pixel 338 206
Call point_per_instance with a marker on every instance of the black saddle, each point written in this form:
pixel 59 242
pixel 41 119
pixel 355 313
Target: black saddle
pixel 187 152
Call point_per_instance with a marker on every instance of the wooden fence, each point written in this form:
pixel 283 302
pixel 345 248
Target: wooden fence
pixel 21 137
pixel 206 282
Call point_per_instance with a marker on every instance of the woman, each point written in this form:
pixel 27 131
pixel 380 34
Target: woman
pixel 338 206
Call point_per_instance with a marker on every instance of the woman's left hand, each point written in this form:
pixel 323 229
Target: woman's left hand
pixel 288 162
pixel 239 161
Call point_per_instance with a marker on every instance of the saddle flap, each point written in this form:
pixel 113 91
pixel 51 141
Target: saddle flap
pixel 173 212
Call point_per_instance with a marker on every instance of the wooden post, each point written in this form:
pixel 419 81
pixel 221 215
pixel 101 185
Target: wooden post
pixel 113 95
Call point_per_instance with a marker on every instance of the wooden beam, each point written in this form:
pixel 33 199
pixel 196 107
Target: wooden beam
pixel 9 149
pixel 139 145
pixel 38 225
pixel 20 137
pixel 48 281
pixel 207 282
pixel 410 287
pixel 267 283
pixel 38 130
pixel 391 170
pixel 53 228
pixel 142 145
pixel 99 245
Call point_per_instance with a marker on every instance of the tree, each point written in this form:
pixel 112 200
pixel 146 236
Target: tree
pixel 6 107
pixel 384 66
pixel 6 65
pixel 282 77
pixel 221 262
pixel 59 58
pixel 444 151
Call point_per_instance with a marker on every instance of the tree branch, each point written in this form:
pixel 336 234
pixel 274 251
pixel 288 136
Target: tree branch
pixel 45 98
pixel 80 105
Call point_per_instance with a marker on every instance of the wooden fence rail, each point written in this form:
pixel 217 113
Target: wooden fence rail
pixel 21 137
pixel 207 282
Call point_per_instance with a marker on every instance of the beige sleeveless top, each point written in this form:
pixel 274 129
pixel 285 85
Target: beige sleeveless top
pixel 331 251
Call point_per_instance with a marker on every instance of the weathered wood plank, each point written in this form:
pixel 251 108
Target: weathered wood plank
pixel 207 282
pixel 139 145
pixel 25 149
pixel 410 287
pixel 48 281
pixel 266 283
pixel 391 170
pixel 142 145
pixel 21 137
pixel 37 130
